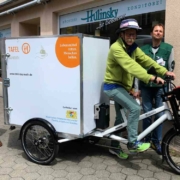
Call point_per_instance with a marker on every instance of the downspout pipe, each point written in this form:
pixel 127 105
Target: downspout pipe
pixel 21 7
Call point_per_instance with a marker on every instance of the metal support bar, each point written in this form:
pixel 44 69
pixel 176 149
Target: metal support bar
pixel 120 139
pixel 63 140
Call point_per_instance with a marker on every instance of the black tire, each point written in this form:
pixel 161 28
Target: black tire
pixel 171 149
pixel 39 143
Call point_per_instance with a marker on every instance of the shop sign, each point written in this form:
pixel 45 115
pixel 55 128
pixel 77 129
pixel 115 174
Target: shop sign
pixel 98 15
pixel 110 21
pixel 112 11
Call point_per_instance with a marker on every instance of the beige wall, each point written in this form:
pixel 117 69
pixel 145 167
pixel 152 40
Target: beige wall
pixel 48 15
pixel 172 33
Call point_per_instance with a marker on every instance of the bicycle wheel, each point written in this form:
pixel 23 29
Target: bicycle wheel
pixel 39 143
pixel 171 150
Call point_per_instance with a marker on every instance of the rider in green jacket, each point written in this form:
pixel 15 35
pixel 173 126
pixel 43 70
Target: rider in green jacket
pixel 124 62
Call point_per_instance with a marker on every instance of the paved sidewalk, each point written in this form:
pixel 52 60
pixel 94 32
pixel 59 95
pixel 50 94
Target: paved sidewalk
pixel 77 161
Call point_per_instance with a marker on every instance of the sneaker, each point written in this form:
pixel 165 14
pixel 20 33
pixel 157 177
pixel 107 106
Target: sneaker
pixel 157 147
pixel 119 153
pixel 138 147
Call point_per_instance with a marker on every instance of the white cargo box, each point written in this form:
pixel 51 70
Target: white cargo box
pixel 57 78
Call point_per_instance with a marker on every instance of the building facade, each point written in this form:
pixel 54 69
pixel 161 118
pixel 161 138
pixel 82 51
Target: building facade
pixel 95 17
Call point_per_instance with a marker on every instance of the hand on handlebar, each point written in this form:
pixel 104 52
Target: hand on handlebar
pixel 169 73
pixel 157 80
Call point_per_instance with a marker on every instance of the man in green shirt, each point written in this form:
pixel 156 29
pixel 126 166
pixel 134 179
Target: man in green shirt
pixel 163 54
pixel 124 62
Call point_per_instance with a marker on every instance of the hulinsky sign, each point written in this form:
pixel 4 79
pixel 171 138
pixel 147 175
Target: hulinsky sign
pixel 111 11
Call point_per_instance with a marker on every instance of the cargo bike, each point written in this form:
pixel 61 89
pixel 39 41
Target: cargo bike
pixel 52 89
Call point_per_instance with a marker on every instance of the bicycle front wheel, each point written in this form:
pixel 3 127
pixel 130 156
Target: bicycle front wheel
pixel 171 150
pixel 39 143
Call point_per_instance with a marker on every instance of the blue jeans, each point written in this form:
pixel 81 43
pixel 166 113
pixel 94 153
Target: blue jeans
pixel 123 99
pixel 150 95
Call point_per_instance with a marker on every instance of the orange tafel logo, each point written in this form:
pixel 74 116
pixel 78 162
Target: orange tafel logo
pixel 68 51
pixel 26 48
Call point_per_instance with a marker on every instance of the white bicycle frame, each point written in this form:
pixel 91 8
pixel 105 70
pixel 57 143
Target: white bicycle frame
pixel 166 116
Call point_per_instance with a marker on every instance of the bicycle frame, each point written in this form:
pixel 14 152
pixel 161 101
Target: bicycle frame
pixel 167 115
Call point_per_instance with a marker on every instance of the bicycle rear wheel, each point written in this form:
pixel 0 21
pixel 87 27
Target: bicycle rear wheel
pixel 39 143
pixel 171 149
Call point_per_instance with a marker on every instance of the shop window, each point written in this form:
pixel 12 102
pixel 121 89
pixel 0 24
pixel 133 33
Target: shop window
pixel 146 21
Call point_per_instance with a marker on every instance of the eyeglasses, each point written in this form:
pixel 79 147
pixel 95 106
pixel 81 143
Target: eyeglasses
pixel 130 34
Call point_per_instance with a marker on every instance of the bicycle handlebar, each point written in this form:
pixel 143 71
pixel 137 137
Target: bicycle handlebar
pixel 167 86
pixel 169 78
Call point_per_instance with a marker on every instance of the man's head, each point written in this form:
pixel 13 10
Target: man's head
pixel 157 32
pixel 128 30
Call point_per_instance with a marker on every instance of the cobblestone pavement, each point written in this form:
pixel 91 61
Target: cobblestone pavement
pixel 77 161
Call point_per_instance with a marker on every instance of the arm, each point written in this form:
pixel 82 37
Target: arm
pixel 135 68
pixel 147 62
pixel 136 93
